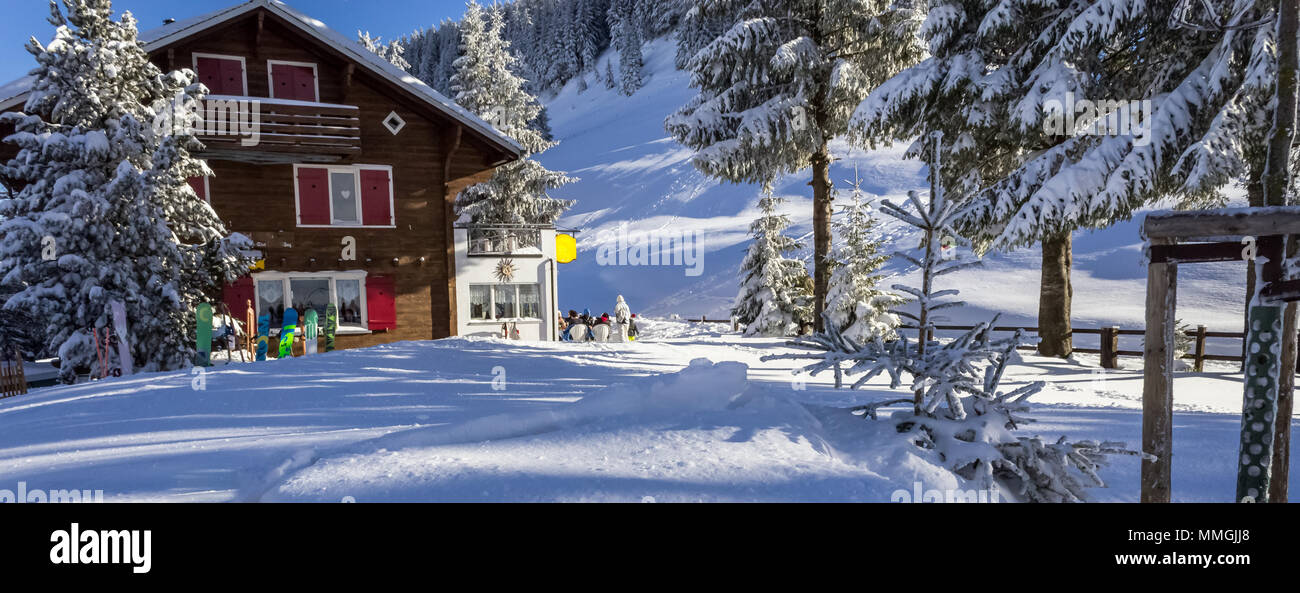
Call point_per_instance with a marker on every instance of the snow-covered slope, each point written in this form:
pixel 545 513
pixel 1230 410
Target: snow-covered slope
pixel 633 173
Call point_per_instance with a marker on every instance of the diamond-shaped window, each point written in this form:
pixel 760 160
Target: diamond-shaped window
pixel 394 123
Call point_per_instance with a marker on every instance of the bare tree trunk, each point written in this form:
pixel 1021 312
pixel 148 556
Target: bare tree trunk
pixel 1276 182
pixel 821 182
pixel 1054 297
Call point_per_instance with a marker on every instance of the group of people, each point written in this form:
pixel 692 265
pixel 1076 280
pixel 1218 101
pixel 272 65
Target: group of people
pixel 620 327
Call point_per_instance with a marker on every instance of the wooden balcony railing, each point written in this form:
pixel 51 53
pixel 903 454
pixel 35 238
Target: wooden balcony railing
pixel 257 129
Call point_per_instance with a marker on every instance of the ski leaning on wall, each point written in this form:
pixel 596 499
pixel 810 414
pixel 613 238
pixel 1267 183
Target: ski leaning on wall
pixel 331 324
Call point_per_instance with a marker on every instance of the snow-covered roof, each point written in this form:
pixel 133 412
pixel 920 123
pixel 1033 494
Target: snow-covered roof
pixel 15 92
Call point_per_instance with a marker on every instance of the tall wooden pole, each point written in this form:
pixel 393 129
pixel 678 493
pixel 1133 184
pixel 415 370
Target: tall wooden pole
pixel 1158 379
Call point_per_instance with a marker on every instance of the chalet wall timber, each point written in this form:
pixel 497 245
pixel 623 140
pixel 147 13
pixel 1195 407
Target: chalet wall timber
pixel 347 192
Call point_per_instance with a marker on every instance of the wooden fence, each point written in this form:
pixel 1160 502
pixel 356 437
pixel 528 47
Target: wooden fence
pixel 1109 338
pixel 13 378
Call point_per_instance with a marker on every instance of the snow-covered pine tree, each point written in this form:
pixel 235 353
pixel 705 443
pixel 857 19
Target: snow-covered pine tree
pixel 774 297
pixel 779 83
pixel 854 305
pixel 611 82
pixel 960 413
pixel 484 84
pixel 625 32
pixel 999 76
pixel 393 52
pixel 104 211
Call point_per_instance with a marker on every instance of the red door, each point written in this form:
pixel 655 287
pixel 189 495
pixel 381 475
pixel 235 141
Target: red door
pixel 293 82
pixel 237 296
pixel 381 303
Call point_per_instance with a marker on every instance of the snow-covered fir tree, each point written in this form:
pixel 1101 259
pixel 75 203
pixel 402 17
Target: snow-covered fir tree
pixel 484 83
pixel 779 83
pixel 625 32
pixel 393 52
pixel 1004 79
pixel 854 304
pixel 104 212
pixel 775 291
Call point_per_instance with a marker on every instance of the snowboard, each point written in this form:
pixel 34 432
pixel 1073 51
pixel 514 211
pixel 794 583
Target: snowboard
pixel 287 332
pixel 263 335
pixel 309 332
pixel 203 316
pixel 331 324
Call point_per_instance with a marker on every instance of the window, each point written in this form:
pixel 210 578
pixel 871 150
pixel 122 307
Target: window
pixel 346 196
pixel 345 203
pixel 489 302
pixel 313 290
pixel 348 295
pixel 223 75
pixel 504 241
pixel 292 80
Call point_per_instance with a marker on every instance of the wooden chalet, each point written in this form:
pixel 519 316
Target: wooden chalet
pixel 347 185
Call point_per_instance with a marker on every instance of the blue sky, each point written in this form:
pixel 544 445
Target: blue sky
pixel 386 18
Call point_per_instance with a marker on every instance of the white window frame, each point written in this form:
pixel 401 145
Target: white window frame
pixel 492 301
pixel 334 277
pixel 270 77
pixel 243 67
pixel 329 190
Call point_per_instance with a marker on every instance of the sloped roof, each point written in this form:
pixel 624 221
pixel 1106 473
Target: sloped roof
pixel 15 92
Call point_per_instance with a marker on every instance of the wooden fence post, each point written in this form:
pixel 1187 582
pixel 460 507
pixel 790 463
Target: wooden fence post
pixel 1200 349
pixel 1157 379
pixel 1110 347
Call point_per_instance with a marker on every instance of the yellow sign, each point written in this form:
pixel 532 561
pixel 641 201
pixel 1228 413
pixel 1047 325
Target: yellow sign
pixel 566 248
pixel 258 265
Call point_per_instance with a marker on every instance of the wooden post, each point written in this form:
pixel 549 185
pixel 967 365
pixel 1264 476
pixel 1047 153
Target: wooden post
pixel 1110 347
pixel 1158 379
pixel 1200 349
pixel 1277 488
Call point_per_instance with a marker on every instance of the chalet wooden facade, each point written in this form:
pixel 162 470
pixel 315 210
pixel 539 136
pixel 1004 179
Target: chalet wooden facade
pixel 347 189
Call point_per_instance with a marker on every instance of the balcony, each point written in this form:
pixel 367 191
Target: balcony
pixel 261 130
pixel 505 240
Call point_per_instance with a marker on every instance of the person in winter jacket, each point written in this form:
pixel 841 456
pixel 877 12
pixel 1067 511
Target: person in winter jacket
pixel 631 327
pixel 622 315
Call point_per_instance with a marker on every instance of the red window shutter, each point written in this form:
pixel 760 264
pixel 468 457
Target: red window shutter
pixel 313 195
pixel 221 76
pixel 375 208
pixel 200 187
pixel 293 82
pixel 236 296
pixel 232 71
pixel 381 303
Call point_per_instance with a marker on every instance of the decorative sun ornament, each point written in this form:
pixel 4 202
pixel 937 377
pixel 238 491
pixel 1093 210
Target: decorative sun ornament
pixel 505 271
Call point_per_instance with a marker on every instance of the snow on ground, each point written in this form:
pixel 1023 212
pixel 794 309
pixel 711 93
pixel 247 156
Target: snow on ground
pixel 476 419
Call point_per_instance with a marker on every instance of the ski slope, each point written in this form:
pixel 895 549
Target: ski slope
pixel 633 173
pixel 468 419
